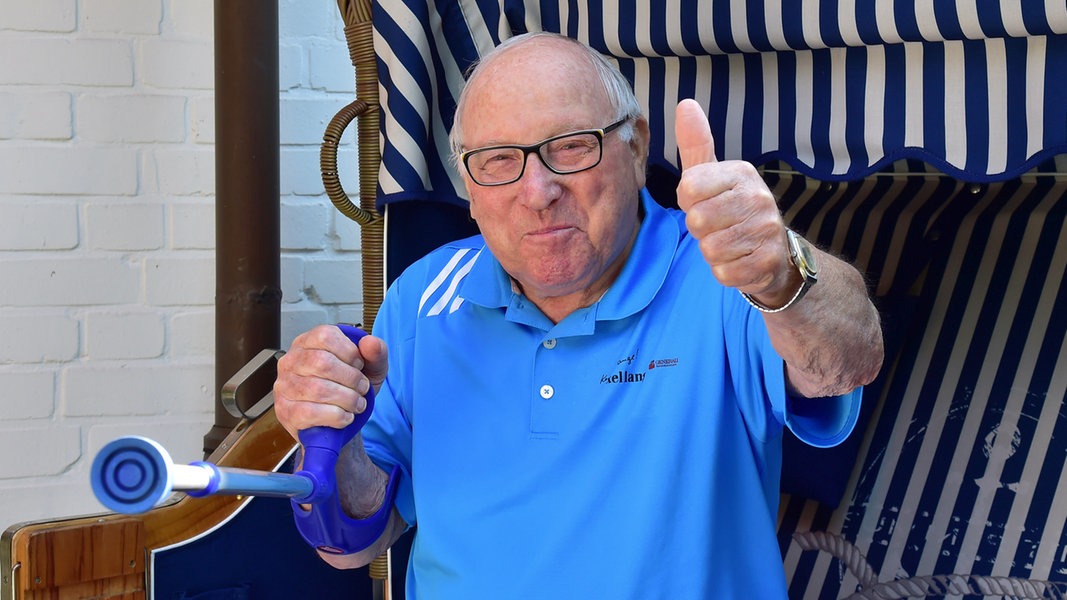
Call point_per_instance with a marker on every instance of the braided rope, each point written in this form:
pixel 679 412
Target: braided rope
pixel 924 585
pixel 986 585
pixel 842 550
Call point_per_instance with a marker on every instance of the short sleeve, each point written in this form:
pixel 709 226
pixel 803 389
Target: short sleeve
pixel 823 422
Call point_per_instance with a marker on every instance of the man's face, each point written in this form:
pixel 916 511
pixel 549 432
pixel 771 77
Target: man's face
pixel 557 235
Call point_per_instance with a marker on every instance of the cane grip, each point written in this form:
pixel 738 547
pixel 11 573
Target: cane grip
pixel 326 526
pixel 322 445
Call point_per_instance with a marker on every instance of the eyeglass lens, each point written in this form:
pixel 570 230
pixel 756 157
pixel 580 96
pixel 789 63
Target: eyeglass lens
pixel 562 155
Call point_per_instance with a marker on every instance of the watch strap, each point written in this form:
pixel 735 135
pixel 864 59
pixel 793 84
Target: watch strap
pixel 808 278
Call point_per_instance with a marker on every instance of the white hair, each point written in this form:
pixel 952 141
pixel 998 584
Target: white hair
pixel 619 92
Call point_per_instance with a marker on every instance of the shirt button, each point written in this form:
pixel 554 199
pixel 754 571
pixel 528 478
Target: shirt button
pixel 549 344
pixel 547 391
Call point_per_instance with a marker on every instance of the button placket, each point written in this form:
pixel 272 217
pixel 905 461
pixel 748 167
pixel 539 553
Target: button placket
pixel 545 410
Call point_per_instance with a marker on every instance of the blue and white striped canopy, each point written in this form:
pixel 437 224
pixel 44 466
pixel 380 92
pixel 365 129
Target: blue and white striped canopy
pixel 835 88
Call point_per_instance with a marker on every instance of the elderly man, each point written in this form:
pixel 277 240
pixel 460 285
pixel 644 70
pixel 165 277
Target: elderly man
pixel 576 404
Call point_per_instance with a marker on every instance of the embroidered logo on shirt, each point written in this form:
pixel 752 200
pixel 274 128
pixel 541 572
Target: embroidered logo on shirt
pixel 624 374
pixel 662 362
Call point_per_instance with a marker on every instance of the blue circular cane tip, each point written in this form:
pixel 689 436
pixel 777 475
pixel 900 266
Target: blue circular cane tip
pixel 131 475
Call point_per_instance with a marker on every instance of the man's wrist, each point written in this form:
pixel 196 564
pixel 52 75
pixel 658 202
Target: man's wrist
pixel 802 257
pixel 802 289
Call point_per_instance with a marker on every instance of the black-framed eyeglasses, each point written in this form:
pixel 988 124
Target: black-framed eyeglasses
pixel 563 154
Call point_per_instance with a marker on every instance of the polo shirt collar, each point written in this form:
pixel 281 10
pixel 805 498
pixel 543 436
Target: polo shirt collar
pixel 488 285
pixel 647 267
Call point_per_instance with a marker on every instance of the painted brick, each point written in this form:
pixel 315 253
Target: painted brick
pixel 53 450
pixel 28 394
pixel 301 174
pixel 192 225
pixel 39 15
pixel 304 120
pixel 131 118
pixel 192 334
pixel 69 282
pixel 177 65
pixel 304 224
pixel 86 171
pixel 348 235
pixel 36 225
pixel 124 226
pixel 120 16
pixel 185 171
pixel 296 21
pixel 181 437
pixel 66 61
pixel 35 116
pixel 202 119
pixel 300 318
pixel 66 496
pixel 191 18
pixel 334 281
pixel 129 335
pixel 29 501
pixel 292 279
pixel 350 313
pixel 41 337
pixel 330 67
pixel 113 389
pixel 180 281
pixel 292 67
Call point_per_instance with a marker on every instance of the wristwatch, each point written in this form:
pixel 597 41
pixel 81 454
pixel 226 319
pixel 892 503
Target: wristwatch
pixel 803 258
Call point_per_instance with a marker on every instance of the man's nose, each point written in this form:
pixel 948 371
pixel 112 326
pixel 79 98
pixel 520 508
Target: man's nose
pixel 540 186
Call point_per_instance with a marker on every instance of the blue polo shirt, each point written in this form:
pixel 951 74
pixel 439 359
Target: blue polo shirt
pixel 631 451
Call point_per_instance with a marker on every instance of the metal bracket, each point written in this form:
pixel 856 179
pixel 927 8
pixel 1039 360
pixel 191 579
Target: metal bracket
pixel 229 390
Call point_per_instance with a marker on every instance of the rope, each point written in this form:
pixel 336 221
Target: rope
pixel 842 550
pixel 985 585
pixel 924 585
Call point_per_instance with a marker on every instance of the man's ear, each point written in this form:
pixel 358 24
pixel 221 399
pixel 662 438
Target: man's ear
pixel 639 146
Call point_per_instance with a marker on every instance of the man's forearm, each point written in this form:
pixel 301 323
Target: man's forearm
pixel 361 484
pixel 831 340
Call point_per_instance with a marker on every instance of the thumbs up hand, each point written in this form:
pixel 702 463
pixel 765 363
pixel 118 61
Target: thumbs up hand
pixel 732 213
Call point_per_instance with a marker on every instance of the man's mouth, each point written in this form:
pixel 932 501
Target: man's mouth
pixel 550 231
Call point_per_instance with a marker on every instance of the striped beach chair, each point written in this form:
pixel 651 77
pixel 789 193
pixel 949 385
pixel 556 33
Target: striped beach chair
pixel 923 141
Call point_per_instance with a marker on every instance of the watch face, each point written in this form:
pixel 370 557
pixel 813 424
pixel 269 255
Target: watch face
pixel 804 257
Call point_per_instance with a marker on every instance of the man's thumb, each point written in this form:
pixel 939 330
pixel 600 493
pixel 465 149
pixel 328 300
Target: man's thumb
pixel 375 358
pixel 693 134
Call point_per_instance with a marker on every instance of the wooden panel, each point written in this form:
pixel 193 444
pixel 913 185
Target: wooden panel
pixel 127 587
pixel 71 554
pixel 95 559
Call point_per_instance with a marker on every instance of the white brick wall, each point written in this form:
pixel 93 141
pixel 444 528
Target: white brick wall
pixel 107 228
